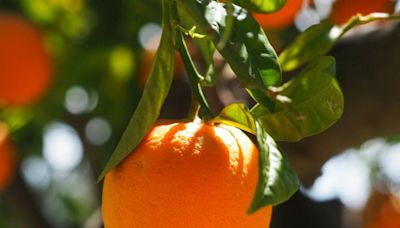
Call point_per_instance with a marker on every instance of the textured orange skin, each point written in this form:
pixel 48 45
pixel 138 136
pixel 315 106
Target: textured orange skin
pixel 183 175
pixel 6 158
pixel 281 18
pixel 25 67
pixel 343 10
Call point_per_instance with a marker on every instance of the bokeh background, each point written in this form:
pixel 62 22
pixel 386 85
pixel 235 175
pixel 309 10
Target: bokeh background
pixel 86 62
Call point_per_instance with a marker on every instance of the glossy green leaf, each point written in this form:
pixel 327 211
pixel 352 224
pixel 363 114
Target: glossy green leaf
pixel 261 6
pixel 155 91
pixel 326 64
pixel 320 38
pixel 247 51
pixel 261 98
pixel 316 103
pixel 277 181
pixel 310 44
pixel 237 115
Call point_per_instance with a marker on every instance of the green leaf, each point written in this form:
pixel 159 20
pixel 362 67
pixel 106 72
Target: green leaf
pixel 261 6
pixel 310 44
pixel 237 115
pixel 207 50
pixel 316 103
pixel 205 46
pixel 277 181
pixel 155 91
pixel 320 38
pixel 326 64
pixel 247 50
pixel 261 98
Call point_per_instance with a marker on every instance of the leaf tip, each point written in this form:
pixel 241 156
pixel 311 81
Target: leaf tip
pixel 102 175
pixel 254 206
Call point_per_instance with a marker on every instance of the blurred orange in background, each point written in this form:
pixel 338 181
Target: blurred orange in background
pixel 343 10
pixel 7 158
pixel 25 66
pixel 281 18
pixel 382 211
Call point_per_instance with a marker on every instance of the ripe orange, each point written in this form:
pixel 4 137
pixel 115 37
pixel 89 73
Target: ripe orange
pixel 185 175
pixel 343 10
pixel 282 18
pixel 6 158
pixel 25 67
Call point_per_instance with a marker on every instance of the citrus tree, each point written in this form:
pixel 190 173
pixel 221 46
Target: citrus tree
pixel 152 156
pixel 73 71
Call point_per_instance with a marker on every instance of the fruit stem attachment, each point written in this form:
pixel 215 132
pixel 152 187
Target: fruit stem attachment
pixel 199 102
pixel 195 78
pixel 193 111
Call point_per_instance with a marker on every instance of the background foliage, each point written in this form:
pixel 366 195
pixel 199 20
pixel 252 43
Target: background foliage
pixel 102 53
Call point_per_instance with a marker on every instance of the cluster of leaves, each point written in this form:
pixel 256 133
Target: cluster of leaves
pixel 305 105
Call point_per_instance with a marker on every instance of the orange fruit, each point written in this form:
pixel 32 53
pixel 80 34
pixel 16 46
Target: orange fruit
pixel 25 67
pixel 281 18
pixel 185 175
pixel 343 10
pixel 6 158
pixel 382 211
